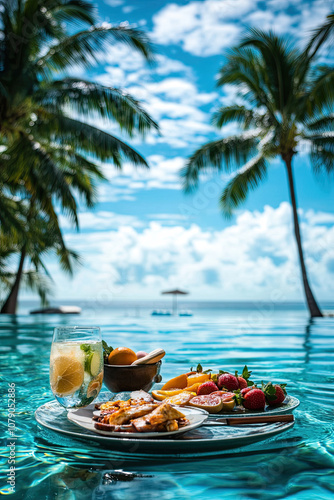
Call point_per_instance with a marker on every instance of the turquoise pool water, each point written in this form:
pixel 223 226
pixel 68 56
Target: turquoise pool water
pixel 282 345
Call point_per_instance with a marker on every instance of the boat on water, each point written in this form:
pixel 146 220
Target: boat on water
pixel 185 313
pixel 58 310
pixel 161 313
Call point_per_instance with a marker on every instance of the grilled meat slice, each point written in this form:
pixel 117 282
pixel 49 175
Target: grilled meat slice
pixel 161 414
pixel 124 415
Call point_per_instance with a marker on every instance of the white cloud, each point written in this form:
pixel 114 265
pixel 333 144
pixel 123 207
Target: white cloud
pixel 201 28
pixel 101 220
pixel 206 28
pixel 255 258
pixel 163 174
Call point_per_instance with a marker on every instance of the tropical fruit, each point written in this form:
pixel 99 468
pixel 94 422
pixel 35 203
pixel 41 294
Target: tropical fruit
pixel 67 375
pixel 197 378
pixel 181 399
pixel 122 356
pixel 179 382
pixel 208 402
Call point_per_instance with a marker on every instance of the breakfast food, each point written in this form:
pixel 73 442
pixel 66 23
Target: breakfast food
pixel 254 400
pixel 208 402
pixel 139 414
pixel 236 391
pixel 207 388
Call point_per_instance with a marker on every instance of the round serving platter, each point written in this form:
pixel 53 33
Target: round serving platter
pixel 200 441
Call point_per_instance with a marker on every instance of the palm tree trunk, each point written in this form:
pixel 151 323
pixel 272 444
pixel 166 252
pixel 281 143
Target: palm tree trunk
pixel 10 304
pixel 311 302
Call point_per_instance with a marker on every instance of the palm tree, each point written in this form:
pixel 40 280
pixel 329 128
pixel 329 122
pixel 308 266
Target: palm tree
pixel 42 237
pixel 49 152
pixel 285 101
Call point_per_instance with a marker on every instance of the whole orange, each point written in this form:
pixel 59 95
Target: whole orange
pixel 122 356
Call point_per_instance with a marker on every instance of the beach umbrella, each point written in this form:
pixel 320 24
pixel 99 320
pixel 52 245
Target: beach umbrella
pixel 175 293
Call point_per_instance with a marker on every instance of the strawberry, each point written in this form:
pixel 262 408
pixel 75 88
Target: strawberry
pixel 254 400
pixel 245 390
pixel 275 394
pixel 244 378
pixel 228 381
pixel 207 388
pixel 242 382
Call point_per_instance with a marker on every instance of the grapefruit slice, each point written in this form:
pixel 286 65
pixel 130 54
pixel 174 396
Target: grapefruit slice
pixel 208 402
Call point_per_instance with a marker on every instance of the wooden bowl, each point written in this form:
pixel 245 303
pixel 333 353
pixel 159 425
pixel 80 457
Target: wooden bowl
pixel 119 378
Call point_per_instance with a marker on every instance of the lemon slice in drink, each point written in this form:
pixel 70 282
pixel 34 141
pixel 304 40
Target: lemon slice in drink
pixel 67 375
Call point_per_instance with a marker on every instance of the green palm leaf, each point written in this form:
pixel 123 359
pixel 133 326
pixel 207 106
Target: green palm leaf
pixel 88 97
pixel 89 139
pixel 82 48
pixel 225 153
pixel 248 178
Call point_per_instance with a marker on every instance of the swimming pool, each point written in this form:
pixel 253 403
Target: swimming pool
pixel 282 345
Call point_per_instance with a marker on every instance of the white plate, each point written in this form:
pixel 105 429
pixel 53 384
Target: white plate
pixel 83 418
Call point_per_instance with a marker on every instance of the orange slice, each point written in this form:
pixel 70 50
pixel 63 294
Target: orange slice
pixel 67 375
pixel 198 378
pixel 193 388
pixel 158 396
pixel 181 399
pixel 179 382
pixel 122 356
pixel 95 386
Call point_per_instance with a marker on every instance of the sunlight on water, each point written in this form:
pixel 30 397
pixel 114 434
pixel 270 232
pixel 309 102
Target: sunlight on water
pixel 278 345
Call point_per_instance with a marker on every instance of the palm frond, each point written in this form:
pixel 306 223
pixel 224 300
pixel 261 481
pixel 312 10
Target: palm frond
pixel 246 70
pixel 224 153
pixel 239 114
pixel 40 283
pixel 82 47
pixel 61 130
pixel 87 97
pixel 248 178
pixel 280 63
pixel 321 35
pixel 30 163
pixel 73 11
pixel 321 93
pixel 321 124
pixel 322 152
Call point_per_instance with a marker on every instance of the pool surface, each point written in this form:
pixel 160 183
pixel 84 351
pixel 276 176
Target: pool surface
pixel 277 344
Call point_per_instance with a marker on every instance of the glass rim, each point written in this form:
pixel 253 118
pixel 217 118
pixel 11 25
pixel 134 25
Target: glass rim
pixel 76 328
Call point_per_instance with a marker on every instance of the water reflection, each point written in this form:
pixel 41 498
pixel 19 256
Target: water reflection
pixel 285 346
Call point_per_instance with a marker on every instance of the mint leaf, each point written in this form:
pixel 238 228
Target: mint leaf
pixel 107 349
pixel 86 348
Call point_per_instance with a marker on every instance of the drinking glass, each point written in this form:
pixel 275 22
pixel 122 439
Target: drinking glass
pixel 76 365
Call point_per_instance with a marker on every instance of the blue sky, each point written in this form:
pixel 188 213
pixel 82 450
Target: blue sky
pixel 145 234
